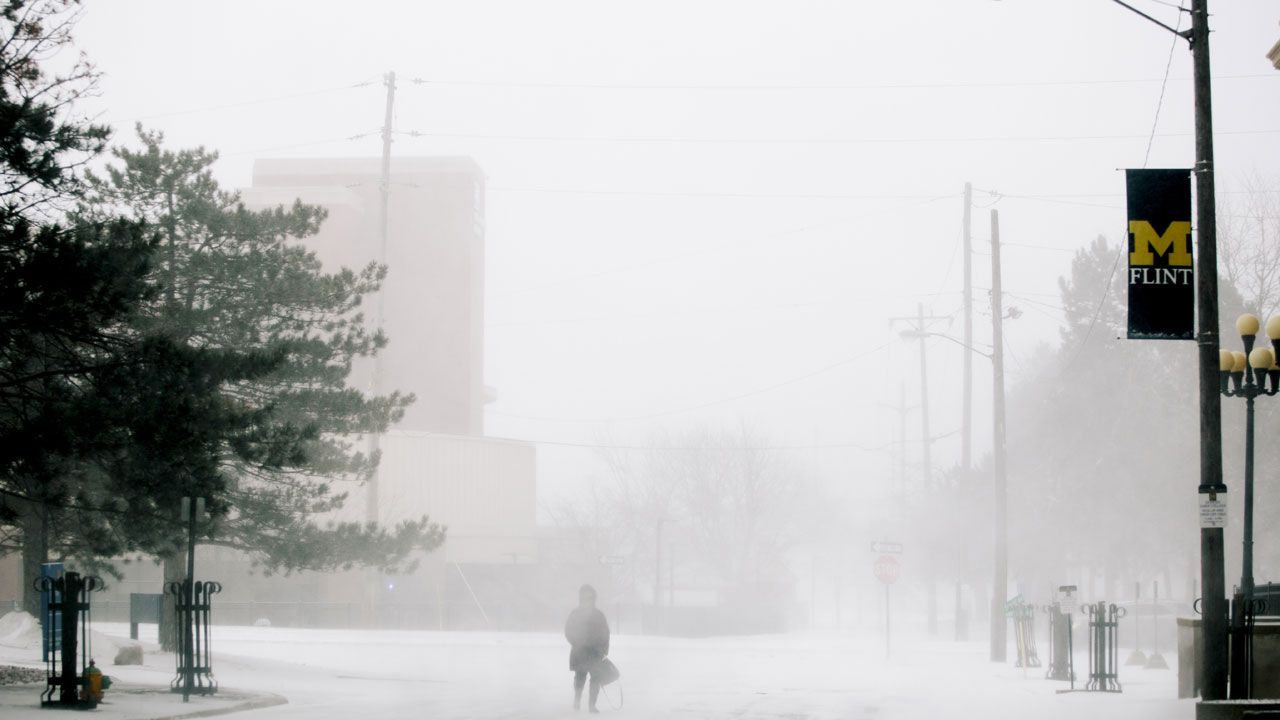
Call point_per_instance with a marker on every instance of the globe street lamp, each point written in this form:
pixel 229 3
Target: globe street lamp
pixel 1248 374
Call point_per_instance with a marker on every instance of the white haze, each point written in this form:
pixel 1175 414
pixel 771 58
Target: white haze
pixel 702 216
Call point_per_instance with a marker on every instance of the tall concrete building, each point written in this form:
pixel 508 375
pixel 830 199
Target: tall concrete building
pixel 434 291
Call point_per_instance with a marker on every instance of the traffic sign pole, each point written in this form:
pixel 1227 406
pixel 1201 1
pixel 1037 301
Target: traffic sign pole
pixel 886 570
pixel 886 621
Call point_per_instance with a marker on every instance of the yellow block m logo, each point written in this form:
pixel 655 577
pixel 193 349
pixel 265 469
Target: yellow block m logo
pixel 1174 244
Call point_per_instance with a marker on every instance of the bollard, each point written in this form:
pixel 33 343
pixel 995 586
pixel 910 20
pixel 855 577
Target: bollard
pixel 67 615
pixel 1104 619
pixel 1156 661
pixel 1137 657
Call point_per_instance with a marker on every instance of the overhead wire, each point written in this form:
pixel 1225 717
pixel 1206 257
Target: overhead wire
pixel 254 101
pixel 718 140
pixel 712 448
pixel 729 195
pixel 586 85
pixel 706 251
pixel 293 146
pixel 1163 85
pixel 701 406
pixel 1106 286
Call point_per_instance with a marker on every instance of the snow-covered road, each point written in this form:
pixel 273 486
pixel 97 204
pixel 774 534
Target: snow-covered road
pixel 355 674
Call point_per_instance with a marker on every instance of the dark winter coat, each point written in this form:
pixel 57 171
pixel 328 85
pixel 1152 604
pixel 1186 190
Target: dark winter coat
pixel 588 634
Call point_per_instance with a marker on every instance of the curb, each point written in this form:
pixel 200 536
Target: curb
pixel 253 703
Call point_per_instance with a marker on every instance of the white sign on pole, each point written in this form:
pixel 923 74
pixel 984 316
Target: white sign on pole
pixel 1213 511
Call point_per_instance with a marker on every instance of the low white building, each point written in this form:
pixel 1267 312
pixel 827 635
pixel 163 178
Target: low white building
pixel 483 490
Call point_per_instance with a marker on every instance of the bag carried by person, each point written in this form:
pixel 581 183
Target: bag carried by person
pixel 605 672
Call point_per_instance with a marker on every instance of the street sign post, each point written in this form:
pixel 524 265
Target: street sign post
pixel 886 570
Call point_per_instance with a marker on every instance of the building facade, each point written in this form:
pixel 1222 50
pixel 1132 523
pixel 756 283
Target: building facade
pixel 432 301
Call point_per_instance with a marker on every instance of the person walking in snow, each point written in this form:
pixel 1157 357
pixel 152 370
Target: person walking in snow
pixel 588 634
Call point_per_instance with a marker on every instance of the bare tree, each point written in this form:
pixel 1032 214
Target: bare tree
pixel 1249 233
pixel 722 502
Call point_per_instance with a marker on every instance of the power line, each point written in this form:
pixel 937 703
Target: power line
pixel 729 310
pixel 1106 289
pixel 312 143
pixel 706 251
pixel 714 140
pixel 1041 303
pixel 711 194
pixel 254 101
pixel 1106 285
pixel 1060 198
pixel 740 396
pixel 571 85
pixel 1163 84
pixel 1033 246
pixel 716 448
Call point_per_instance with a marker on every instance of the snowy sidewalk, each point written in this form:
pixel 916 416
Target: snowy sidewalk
pixel 138 692
pixel 342 674
pixel 136 702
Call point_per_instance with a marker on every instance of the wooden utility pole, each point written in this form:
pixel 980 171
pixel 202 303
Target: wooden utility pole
pixel 384 198
pixel 902 447
pixel 966 430
pixel 921 332
pixel 966 419
pixel 926 442
pixel 926 438
pixel 1000 586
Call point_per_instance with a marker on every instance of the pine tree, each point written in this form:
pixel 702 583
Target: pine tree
pixel 65 292
pixel 233 278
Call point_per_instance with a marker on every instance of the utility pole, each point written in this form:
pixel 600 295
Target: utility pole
pixel 902 447
pixel 1214 603
pixel 926 439
pixel 926 442
pixel 966 420
pixel 384 192
pixel 1000 586
pixel 657 564
pixel 966 431
pixel 920 331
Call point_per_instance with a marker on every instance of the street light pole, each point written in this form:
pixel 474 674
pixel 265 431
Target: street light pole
pixel 1247 374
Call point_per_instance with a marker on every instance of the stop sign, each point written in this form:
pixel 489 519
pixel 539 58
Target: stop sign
pixel 886 568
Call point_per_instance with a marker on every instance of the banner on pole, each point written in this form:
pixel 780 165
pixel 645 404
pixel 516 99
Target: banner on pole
pixel 1162 290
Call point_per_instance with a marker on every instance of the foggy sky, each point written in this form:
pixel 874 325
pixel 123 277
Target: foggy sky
pixel 692 202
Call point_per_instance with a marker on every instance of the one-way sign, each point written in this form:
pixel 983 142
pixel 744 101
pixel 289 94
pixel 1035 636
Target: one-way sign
pixel 886 548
